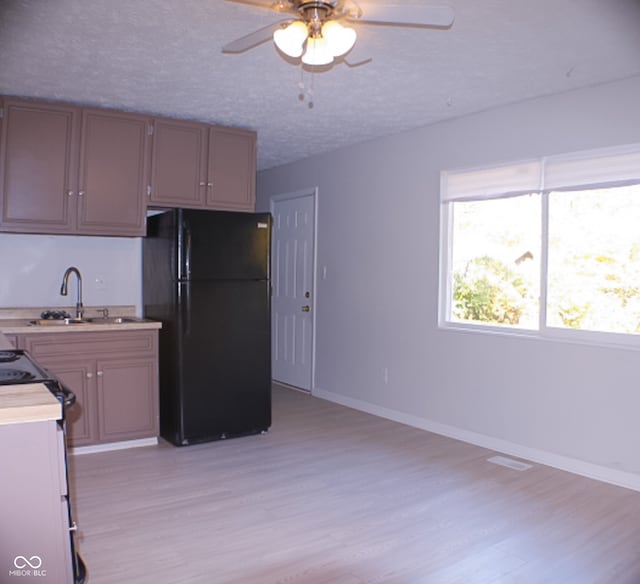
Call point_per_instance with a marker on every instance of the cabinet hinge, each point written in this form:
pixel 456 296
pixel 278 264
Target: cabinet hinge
pixel 148 190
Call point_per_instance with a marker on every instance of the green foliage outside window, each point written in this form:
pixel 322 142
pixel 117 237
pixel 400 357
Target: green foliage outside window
pixel 489 291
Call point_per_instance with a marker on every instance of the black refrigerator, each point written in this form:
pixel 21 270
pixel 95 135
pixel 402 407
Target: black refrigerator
pixel 206 278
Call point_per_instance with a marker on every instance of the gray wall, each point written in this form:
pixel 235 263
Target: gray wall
pixel 569 405
pixel 32 267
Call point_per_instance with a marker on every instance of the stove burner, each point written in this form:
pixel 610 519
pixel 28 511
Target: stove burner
pixel 15 375
pixel 8 356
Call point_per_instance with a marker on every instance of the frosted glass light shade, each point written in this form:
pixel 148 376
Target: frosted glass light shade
pixel 290 40
pixel 317 52
pixel 339 38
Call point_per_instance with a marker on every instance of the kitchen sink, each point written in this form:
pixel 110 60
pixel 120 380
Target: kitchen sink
pixel 78 321
pixel 58 321
pixel 112 320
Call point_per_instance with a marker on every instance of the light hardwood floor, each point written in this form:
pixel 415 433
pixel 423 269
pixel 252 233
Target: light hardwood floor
pixel 335 496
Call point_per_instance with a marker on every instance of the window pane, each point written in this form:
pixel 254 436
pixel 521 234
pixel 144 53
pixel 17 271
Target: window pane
pixel 594 260
pixel 496 261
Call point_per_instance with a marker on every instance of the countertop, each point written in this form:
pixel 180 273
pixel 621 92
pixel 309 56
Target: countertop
pixel 21 325
pixel 16 321
pixel 27 402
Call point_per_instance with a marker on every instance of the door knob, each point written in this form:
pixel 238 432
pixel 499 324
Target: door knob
pixel 306 308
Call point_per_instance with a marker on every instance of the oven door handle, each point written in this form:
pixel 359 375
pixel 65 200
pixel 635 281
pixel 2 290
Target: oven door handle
pixel 64 395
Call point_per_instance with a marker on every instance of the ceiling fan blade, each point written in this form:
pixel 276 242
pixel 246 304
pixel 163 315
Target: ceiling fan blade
pixel 272 4
pixel 353 65
pixel 255 38
pixel 425 16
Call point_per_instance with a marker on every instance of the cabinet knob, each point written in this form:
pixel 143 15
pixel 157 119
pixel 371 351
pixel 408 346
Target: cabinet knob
pixel 100 373
pixel 69 193
pixel 81 193
pixel 210 184
pixel 89 375
pixel 203 184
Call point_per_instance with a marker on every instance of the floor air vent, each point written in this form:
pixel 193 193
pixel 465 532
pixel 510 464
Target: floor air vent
pixel 509 463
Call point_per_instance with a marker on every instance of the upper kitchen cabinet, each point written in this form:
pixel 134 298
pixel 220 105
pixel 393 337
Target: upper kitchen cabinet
pixel 178 164
pixel 90 171
pixel 202 167
pixel 69 170
pixel 113 174
pixel 38 167
pixel 232 169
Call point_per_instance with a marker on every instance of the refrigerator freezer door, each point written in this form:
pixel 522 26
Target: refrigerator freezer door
pixel 160 255
pixel 225 359
pixel 223 245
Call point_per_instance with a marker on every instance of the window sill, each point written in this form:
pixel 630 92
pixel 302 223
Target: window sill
pixel 555 335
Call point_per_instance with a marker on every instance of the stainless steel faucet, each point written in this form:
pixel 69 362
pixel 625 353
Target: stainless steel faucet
pixel 65 283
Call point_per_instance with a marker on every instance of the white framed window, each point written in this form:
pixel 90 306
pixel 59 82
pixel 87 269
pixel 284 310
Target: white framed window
pixel 548 246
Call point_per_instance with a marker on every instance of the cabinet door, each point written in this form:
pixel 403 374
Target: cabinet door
pixel 178 164
pixel 38 167
pixel 127 399
pixel 232 169
pixel 113 173
pixel 76 371
pixel 82 423
pixel 82 420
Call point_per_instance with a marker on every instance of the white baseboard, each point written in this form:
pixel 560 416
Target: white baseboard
pixel 113 446
pixel 593 471
pixel 287 386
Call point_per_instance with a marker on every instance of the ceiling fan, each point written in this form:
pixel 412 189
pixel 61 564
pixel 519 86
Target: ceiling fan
pixel 315 32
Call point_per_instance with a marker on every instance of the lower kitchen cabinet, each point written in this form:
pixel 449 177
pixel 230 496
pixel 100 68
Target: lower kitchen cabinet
pixel 78 375
pixel 114 376
pixel 127 391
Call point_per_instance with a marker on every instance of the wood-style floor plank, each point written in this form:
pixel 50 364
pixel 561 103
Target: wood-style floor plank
pixel 335 496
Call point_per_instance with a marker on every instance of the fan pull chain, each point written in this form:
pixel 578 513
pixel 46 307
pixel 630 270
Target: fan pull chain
pixel 308 95
pixel 301 84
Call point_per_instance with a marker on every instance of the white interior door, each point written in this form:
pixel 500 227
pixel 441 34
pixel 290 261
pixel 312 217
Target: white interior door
pixel 292 280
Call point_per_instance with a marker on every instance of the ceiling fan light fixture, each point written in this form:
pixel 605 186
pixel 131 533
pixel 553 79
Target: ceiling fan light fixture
pixel 318 52
pixel 339 38
pixel 290 40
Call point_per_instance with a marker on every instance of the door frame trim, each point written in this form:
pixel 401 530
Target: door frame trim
pixel 313 193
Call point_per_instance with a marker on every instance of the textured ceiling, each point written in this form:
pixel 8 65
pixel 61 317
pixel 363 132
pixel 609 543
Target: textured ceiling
pixel 164 57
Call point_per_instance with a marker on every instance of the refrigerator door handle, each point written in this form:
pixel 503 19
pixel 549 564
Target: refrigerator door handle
pixel 187 305
pixel 184 250
pixel 187 255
